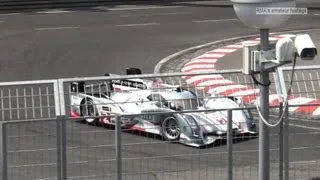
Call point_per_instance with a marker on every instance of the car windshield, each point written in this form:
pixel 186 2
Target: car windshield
pixel 185 104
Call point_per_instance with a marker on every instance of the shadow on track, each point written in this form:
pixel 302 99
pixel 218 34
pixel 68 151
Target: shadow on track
pixel 217 143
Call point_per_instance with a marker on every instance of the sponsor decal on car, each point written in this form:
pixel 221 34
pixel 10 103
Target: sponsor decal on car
pixel 129 83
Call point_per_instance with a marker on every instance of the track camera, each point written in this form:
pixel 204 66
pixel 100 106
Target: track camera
pixel 305 48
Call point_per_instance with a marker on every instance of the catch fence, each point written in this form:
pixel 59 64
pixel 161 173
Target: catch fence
pixel 139 127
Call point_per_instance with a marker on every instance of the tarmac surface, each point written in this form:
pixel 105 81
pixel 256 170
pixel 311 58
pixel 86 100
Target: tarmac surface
pixel 87 43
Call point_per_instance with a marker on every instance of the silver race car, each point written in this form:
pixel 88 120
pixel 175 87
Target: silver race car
pixel 162 111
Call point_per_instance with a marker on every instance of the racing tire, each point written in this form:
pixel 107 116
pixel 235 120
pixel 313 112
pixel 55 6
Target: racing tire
pixel 88 109
pixel 170 128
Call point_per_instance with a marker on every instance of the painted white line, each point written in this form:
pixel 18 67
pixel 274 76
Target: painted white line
pixel 139 8
pixel 162 14
pixel 1 21
pixel 316 14
pixel 215 20
pixel 305 127
pixel 56 28
pixel 132 25
pixel 37 150
pixel 53 12
pixel 46 164
pixel 305 162
pixel 295 119
pixel 10 14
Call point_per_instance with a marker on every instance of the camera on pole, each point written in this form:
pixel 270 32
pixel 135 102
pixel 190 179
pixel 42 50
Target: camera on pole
pixel 267 57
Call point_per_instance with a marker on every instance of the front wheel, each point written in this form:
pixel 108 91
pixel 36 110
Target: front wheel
pixel 88 110
pixel 170 128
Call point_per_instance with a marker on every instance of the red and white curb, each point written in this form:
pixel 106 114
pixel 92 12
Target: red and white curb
pixel 218 85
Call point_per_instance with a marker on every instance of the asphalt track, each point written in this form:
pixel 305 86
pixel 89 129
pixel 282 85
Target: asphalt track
pixel 87 43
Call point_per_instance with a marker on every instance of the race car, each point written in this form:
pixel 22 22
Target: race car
pixel 175 113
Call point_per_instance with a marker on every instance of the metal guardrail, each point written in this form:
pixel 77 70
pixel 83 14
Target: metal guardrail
pixel 16 5
pixel 42 139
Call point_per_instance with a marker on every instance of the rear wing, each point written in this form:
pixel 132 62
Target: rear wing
pixel 119 84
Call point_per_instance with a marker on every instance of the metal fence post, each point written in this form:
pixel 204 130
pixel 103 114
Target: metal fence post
pixel 286 143
pixel 229 144
pixel 281 143
pixel 118 148
pixel 61 148
pixel 264 149
pixel 3 151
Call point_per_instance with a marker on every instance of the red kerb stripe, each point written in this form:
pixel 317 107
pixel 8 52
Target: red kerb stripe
pixel 309 109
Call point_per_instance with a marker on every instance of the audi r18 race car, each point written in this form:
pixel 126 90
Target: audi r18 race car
pixel 175 113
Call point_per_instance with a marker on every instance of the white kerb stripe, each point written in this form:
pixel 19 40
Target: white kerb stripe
pixel 270 38
pixel 221 89
pixel 211 56
pixel 316 112
pixel 287 35
pixel 238 46
pixel 299 101
pixel 246 92
pixel 273 97
pixel 204 84
pixel 221 50
pixel 199 61
pixel 198 66
pixel 250 42
pixel 202 70
pixel 197 78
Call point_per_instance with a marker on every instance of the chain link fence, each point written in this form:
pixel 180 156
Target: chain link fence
pixel 153 127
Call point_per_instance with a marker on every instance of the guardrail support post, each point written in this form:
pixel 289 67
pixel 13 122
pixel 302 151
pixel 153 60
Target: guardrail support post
pixel 61 148
pixel 229 144
pixel 3 150
pixel 118 148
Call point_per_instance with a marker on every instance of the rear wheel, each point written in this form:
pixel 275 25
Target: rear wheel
pixel 170 128
pixel 89 111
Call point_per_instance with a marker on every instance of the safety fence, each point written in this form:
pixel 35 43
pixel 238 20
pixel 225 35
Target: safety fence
pixel 155 126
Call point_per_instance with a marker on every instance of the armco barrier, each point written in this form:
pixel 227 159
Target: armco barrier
pixel 41 4
pixel 43 135
pixel 16 5
pixel 21 5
